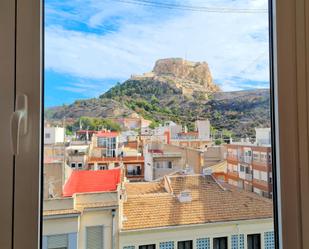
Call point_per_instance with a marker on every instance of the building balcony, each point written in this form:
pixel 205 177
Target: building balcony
pixel 245 176
pixel 232 158
pixel 167 155
pixel 233 174
pixel 263 185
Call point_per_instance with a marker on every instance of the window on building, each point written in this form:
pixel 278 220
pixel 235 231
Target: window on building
pixel 80 165
pixel 47 135
pixel 264 176
pixel 256 174
pixel 256 156
pixel 158 165
pixel 220 243
pixel 248 171
pixel 185 244
pixel 133 170
pixel 57 241
pixel 73 165
pixel 152 246
pixel 94 237
pixel 170 165
pixel 242 168
pixel 102 167
pixel 254 241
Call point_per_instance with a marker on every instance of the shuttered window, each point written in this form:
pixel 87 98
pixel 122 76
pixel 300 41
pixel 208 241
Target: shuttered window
pixel 57 241
pixel 94 237
pixel 185 244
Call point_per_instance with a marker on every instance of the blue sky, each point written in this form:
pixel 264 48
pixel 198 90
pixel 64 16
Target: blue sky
pixel 90 45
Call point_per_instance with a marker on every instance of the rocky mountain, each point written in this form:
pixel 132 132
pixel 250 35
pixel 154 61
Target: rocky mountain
pixel 188 77
pixel 176 90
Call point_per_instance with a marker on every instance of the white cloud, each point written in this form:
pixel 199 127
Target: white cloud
pixel 234 45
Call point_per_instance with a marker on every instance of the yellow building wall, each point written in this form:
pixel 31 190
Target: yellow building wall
pixel 60 226
pixel 98 218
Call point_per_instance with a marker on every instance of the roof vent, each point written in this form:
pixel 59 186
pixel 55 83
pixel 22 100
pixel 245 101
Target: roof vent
pixel 207 172
pixel 185 196
pixel 187 171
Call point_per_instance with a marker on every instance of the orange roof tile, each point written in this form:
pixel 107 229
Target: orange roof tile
pixel 60 212
pixel 107 134
pixel 210 203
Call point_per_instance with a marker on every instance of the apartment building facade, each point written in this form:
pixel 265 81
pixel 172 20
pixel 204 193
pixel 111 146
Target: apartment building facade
pixel 249 167
pixel 76 156
pixel 162 159
pixel 86 220
pixel 105 144
pixel 54 135
pixel 133 165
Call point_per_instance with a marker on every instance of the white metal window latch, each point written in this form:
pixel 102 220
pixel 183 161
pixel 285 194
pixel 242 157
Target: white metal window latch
pixel 19 121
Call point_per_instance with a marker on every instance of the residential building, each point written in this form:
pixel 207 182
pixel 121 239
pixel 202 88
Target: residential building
pixel 55 151
pixel 250 167
pixel 162 159
pixel 198 139
pixel 86 220
pixel 193 212
pixel 105 144
pixel 214 154
pixel 53 177
pixel 203 129
pixel 133 165
pixel 263 136
pixel 191 139
pixel 85 135
pixel 53 135
pixel 76 156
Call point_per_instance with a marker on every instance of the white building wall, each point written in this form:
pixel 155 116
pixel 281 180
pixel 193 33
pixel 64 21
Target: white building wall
pixel 203 128
pixel 194 232
pixel 53 135
pixel 263 136
pixel 148 165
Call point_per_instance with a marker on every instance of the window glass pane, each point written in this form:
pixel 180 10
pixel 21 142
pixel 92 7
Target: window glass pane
pixel 158 124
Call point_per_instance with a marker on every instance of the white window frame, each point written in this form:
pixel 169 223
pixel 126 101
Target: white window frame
pixel 290 99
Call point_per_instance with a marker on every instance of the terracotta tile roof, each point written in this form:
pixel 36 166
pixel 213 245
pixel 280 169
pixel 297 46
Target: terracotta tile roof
pixel 107 134
pixel 86 131
pixel 97 204
pixel 210 203
pixel 60 212
pixel 144 188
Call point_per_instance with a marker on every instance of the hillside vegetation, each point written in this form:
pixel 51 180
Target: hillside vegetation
pixel 168 93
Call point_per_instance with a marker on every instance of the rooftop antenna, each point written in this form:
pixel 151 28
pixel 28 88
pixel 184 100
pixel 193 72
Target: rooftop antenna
pixel 80 124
